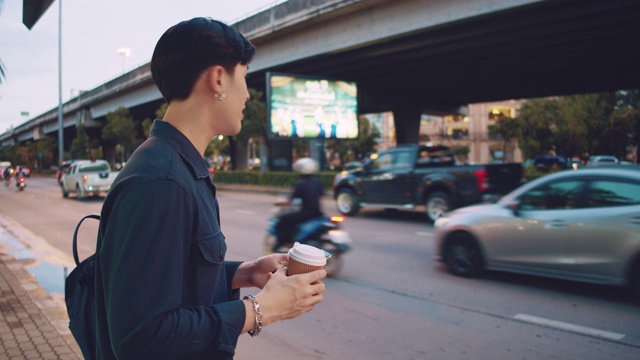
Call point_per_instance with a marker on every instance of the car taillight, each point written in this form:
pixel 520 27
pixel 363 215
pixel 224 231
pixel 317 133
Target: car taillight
pixel 482 180
pixel 85 177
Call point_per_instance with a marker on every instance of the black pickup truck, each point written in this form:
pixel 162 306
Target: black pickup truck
pixel 409 176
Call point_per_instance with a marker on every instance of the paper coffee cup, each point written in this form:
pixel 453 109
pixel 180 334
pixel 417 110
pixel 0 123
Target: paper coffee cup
pixel 305 258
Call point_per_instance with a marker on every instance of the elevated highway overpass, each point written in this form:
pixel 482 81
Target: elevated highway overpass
pixel 409 56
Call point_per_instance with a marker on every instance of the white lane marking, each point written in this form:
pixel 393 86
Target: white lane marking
pixel 569 327
pixel 245 212
pixel 425 234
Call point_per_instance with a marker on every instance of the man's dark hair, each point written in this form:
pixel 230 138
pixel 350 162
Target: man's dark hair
pixel 185 50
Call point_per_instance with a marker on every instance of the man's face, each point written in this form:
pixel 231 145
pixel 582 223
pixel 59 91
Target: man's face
pixel 237 95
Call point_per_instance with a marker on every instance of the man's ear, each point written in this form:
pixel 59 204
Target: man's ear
pixel 214 77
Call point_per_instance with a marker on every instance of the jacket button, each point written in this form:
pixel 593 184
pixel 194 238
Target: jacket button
pixel 221 254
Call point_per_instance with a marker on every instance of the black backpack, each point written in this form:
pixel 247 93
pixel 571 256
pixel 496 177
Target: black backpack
pixel 79 291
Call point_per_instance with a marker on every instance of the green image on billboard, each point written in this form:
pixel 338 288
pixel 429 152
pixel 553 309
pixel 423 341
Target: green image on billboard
pixel 312 108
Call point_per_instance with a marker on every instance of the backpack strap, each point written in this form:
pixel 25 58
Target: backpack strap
pixel 75 237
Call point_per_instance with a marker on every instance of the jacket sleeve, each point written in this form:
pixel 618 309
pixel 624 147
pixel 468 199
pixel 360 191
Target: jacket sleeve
pixel 231 267
pixel 145 251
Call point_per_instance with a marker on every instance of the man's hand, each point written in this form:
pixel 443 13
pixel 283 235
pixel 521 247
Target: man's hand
pixel 286 297
pixel 257 273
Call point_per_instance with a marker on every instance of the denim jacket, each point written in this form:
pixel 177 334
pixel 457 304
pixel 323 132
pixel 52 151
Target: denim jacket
pixel 163 287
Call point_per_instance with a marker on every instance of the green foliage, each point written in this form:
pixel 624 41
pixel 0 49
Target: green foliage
pixel 7 153
pixel 536 119
pixel 580 125
pixel 146 127
pixel 42 153
pixel 121 129
pixel 218 147
pixel 508 130
pixel 37 155
pixel 80 144
pixel 583 121
pixel 254 125
pixel 162 111
pixel 282 179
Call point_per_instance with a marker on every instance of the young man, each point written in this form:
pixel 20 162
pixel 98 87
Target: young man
pixel 164 289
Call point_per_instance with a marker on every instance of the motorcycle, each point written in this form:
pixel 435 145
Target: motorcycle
pixel 21 183
pixel 325 233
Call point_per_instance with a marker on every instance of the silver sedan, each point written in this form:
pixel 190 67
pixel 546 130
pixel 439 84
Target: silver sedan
pixel 581 225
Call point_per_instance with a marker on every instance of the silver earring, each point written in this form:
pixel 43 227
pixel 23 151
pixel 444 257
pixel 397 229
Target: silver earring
pixel 219 96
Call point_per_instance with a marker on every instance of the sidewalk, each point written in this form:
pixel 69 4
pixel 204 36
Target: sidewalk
pixel 32 324
pixel 35 326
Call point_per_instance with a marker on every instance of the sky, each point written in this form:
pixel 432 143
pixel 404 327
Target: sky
pixel 92 33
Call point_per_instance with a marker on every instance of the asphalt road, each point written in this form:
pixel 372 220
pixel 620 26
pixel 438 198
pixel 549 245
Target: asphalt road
pixel 391 300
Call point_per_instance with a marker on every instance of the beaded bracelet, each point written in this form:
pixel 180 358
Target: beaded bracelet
pixel 256 309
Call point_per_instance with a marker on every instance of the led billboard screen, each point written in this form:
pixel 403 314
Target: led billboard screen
pixel 304 107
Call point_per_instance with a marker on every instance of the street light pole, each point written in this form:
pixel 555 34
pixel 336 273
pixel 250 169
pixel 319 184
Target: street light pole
pixel 60 114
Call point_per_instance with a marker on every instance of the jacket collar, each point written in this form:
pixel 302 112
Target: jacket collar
pixel 165 131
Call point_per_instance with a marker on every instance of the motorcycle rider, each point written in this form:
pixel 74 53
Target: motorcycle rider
pixel 7 175
pixel 19 174
pixel 309 190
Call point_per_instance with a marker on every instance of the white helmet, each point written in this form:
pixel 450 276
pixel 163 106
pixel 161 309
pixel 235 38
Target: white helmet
pixel 306 166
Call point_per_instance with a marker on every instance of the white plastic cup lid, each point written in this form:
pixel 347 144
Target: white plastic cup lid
pixel 307 254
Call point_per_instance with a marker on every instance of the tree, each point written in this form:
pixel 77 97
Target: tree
pixel 536 120
pixel 582 124
pixel 254 128
pixel 627 115
pixel 147 123
pixel 80 144
pixel 41 152
pixel 508 130
pixel 121 130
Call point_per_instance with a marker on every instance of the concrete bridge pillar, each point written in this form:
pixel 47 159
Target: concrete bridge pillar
pixel 407 122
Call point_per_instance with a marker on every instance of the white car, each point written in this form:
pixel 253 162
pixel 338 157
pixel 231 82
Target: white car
pixel 581 225
pixel 87 176
pixel 597 160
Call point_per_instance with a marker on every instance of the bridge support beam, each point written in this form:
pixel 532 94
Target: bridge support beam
pixel 407 122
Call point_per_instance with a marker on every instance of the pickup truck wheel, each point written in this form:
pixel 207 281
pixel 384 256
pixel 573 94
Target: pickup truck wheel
pixel 81 195
pixel 437 205
pixel 462 255
pixel 347 202
pixel 65 194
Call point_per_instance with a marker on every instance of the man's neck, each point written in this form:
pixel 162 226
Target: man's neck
pixel 190 123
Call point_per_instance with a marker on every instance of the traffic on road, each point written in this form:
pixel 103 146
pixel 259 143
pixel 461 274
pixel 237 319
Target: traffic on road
pixel 391 299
